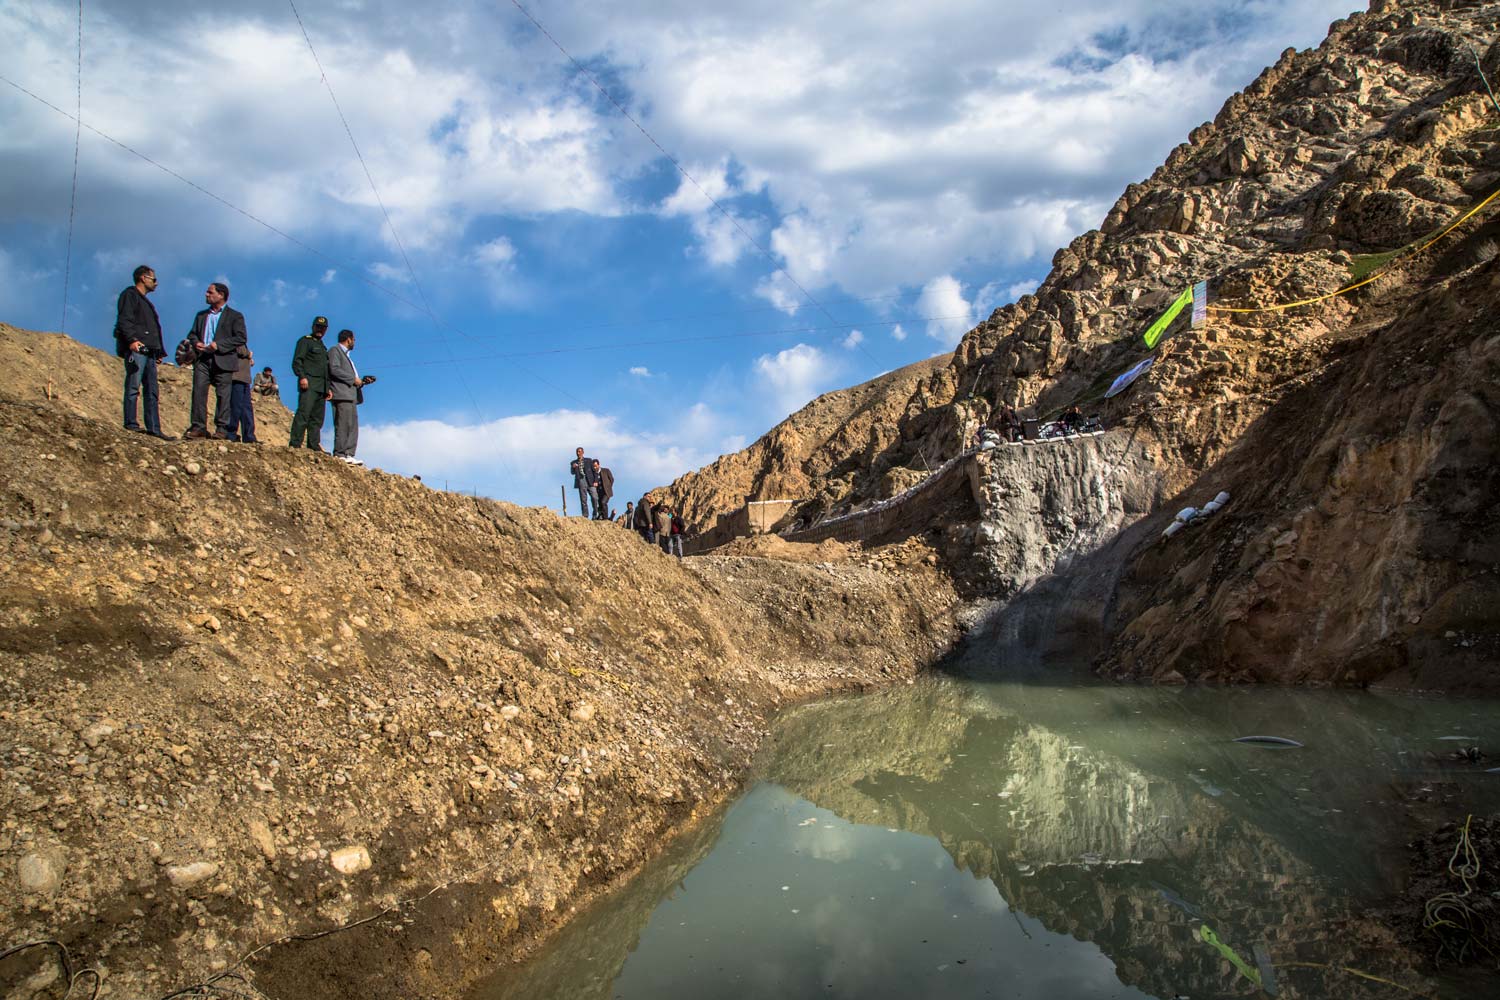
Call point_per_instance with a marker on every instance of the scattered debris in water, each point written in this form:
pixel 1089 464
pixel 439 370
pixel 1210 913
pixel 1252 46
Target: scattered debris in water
pixel 1269 741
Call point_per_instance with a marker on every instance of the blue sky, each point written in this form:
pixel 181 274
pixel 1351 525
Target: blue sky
pixel 893 171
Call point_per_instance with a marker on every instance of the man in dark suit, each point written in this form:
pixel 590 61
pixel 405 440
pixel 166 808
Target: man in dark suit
pixel 604 489
pixel 586 481
pixel 217 335
pixel 138 341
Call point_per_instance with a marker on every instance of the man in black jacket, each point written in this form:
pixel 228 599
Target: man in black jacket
pixel 586 481
pixel 138 342
pixel 217 335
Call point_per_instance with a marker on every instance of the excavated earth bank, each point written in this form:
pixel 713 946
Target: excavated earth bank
pixel 251 692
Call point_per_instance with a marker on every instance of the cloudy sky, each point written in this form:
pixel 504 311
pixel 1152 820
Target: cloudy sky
pixel 858 184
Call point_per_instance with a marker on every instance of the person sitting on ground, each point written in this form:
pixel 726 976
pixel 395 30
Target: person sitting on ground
pixel 265 384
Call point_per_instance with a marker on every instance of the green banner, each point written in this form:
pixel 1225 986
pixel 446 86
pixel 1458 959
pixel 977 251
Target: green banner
pixel 1165 319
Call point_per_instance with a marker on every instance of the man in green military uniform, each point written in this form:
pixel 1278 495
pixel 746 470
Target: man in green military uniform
pixel 310 366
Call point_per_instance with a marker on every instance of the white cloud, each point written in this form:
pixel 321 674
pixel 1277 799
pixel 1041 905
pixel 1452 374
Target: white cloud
pixel 794 376
pixel 640 371
pixel 854 339
pixel 390 274
pixel 329 275
pixel 1021 288
pixel 524 458
pixel 871 145
pixel 949 315
pixel 777 290
pixel 281 293
pixel 898 332
pixel 497 254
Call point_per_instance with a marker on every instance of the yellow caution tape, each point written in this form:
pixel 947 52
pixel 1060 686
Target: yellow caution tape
pixel 1353 972
pixel 1374 277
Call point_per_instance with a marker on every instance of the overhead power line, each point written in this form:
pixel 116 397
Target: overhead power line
pixel 749 238
pixel 345 265
pixel 696 339
pixel 73 194
pixel 416 283
pixel 663 342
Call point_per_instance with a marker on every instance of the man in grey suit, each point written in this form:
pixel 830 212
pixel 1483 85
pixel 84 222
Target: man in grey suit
pixel 217 335
pixel 347 386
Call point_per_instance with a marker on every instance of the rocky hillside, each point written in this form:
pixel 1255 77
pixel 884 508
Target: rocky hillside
pixel 248 693
pixel 830 448
pixel 1362 423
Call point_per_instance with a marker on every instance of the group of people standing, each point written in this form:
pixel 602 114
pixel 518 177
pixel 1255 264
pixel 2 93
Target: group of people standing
pixel 218 351
pixel 656 522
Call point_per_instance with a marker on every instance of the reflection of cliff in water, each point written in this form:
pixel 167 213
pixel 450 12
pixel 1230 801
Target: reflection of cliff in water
pixel 1125 817
pixel 586 957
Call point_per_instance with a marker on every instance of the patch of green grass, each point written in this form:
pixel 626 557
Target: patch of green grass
pixel 1365 264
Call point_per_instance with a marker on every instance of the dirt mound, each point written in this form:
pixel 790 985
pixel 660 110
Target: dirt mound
pixel 776 547
pixel 250 692
pixel 53 370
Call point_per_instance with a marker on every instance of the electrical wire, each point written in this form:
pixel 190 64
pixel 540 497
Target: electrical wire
pixel 73 195
pixel 663 342
pixel 391 225
pixel 749 238
pixel 342 264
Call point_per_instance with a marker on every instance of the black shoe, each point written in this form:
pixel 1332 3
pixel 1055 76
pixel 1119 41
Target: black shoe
pixel 159 434
pixel 317 448
pixel 136 429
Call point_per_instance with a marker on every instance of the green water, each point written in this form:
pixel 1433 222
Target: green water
pixel 963 839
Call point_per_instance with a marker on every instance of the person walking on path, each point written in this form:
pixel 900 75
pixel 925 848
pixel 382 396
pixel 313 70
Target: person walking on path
pixel 138 341
pixel 241 410
pixel 310 365
pixel 586 480
pixel 347 390
pixel 605 488
pixel 217 334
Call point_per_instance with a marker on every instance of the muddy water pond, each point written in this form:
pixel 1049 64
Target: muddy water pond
pixel 967 839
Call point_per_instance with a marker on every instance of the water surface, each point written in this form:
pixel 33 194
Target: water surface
pixel 967 839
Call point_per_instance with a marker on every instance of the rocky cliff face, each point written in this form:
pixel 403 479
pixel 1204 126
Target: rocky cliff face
pixel 1359 426
pixel 828 450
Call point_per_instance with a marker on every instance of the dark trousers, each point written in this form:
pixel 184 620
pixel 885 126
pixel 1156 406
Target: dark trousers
pixel 307 425
pixel 241 413
pixel 345 427
pixel 588 495
pixel 205 374
pixel 140 383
